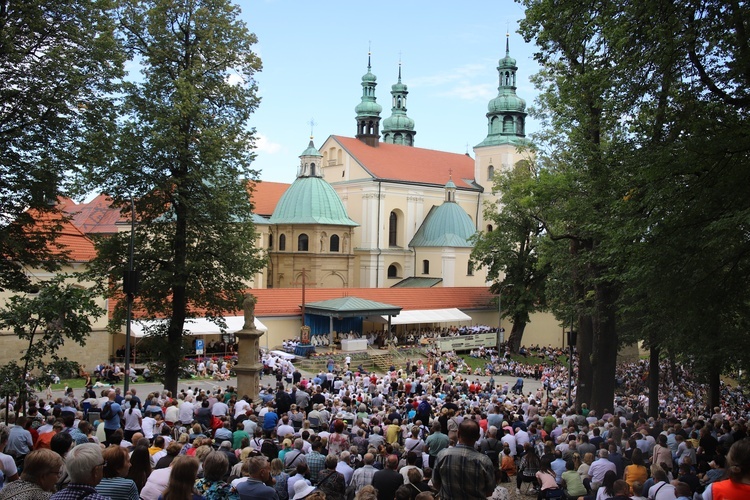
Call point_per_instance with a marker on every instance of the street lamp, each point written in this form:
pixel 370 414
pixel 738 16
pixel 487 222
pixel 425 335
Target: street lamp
pixel 130 287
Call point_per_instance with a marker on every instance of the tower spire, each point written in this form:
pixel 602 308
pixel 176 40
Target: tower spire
pixel 368 110
pixel 506 113
pixel 399 128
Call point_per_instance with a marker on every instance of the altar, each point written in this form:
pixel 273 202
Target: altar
pixel 353 344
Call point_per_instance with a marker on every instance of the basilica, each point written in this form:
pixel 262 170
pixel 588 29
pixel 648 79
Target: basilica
pixel 375 211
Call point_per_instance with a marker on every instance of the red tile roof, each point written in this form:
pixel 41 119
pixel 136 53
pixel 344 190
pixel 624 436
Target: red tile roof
pixel 96 216
pixel 70 239
pixel 410 164
pixel 266 195
pixel 286 301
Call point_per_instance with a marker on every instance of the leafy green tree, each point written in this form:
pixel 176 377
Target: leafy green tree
pixel 183 152
pixel 60 312
pixel 58 62
pixel 512 250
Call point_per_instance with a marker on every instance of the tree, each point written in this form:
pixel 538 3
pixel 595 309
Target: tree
pixel 645 109
pixel 511 249
pixel 183 153
pixel 58 61
pixel 61 311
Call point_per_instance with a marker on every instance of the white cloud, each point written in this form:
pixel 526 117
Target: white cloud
pixel 461 73
pixel 468 92
pixel 265 145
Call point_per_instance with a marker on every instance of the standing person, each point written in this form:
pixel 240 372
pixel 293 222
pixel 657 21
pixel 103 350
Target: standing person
pixel 387 481
pixel 133 420
pixel 258 485
pixel 180 485
pixel 115 484
pixel 435 442
pixel 85 467
pixel 40 472
pixel 111 415
pixel 462 471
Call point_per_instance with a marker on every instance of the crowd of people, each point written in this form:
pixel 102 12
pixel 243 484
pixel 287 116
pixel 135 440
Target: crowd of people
pixel 413 432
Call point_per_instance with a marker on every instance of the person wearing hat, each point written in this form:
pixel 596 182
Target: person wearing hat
pixel 301 490
pixel 259 483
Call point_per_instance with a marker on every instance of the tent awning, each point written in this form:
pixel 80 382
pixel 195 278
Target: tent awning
pixel 197 326
pixel 427 316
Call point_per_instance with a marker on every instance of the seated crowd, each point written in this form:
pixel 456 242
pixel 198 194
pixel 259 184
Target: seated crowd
pixel 406 434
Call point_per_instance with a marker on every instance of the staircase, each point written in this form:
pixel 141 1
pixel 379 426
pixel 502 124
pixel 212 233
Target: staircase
pixel 382 361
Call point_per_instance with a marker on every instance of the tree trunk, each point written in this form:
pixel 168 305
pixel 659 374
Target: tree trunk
pixel 516 335
pixel 604 350
pixel 653 377
pixel 714 385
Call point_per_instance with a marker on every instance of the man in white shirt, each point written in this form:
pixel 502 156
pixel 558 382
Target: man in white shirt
pixel 240 407
pixel 187 410
pixel 599 468
pixel 661 490
pixel 509 440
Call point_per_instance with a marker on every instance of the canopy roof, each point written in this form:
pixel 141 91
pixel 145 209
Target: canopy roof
pixel 427 316
pixel 196 326
pixel 347 307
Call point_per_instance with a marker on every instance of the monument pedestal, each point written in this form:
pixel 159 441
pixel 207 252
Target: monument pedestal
pixel 248 365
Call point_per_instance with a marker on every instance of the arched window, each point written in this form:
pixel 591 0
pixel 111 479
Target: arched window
pixel 490 172
pixel 489 228
pixel 270 241
pixel 425 266
pixel 392 271
pixel 282 242
pixel 393 230
pixel 334 247
pixel 302 243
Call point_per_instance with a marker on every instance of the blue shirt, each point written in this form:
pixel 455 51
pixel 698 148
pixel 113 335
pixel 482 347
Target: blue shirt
pixel 253 489
pixel 114 422
pixel 270 421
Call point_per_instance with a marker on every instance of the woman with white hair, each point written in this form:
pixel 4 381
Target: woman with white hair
pixel 85 466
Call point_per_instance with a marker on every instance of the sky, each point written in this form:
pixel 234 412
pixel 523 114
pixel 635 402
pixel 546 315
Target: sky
pixel 314 54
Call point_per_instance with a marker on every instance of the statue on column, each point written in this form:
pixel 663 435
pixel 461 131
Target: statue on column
pixel 248 305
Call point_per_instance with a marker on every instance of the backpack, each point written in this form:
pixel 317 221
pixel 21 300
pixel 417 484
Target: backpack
pixel 107 413
pixel 492 452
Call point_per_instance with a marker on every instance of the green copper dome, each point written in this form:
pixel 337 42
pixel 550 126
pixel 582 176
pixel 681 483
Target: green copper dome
pixel 398 122
pixel 310 200
pixel 311 150
pixel 506 113
pixel 445 226
pixel 399 128
pixel 506 101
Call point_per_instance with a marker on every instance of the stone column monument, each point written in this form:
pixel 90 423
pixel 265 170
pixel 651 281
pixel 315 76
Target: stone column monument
pixel 248 366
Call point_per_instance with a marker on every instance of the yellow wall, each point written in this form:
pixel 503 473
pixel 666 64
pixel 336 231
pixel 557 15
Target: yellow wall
pixel 98 345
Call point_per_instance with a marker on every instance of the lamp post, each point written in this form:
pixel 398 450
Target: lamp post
pixel 130 287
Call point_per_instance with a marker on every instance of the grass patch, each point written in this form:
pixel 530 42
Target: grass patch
pixel 531 360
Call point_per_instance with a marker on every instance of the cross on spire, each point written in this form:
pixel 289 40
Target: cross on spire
pixel 312 127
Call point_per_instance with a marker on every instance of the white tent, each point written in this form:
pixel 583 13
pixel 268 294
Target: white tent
pixel 426 316
pixel 198 326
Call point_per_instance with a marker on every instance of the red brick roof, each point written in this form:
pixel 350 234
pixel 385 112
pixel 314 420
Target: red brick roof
pixel 266 195
pixel 70 239
pixel 96 216
pixel 286 301
pixel 410 164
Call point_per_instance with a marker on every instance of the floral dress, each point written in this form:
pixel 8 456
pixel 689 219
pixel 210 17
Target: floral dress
pixel 215 490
